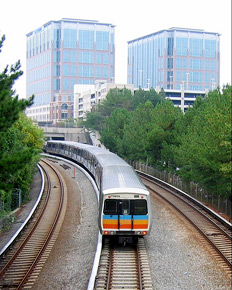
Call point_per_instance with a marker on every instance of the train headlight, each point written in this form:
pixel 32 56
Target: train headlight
pixel 144 233
pixel 109 233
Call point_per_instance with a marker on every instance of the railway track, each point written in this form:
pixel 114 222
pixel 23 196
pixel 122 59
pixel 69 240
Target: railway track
pixel 123 267
pixel 217 232
pixel 21 265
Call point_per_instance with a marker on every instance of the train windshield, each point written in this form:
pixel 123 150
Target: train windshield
pixel 125 207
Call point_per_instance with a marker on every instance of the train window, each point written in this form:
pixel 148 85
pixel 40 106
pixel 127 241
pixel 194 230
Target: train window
pixel 110 206
pixel 124 206
pixel 140 207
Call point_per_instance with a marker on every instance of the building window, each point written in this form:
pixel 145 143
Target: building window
pixel 64 116
pixel 178 76
pixel 66 84
pixel 56 56
pixel 56 84
pixel 102 40
pixel 195 63
pixel 85 57
pixel 73 70
pixel 181 46
pixel 170 76
pixel 161 46
pixel 98 58
pixel 85 71
pixel 105 72
pixel 195 47
pixel 170 46
pixel 56 70
pixel 64 107
pixel 66 56
pixel 56 38
pixel 86 39
pixel 178 63
pixel 105 58
pixel 170 63
pixel 70 38
pixel 73 56
pixel 210 64
pixel 66 70
pixel 72 83
pixel 196 77
pixel 210 48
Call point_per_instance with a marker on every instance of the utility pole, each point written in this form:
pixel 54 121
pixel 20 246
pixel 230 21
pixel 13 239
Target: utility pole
pixel 140 78
pixel 182 98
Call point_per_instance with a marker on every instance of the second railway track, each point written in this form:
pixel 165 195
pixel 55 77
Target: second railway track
pixel 21 265
pixel 216 233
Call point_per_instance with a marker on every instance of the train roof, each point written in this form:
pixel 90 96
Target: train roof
pixel 119 176
pixel 121 179
pixel 104 156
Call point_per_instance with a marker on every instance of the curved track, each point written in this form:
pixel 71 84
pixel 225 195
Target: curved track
pixel 20 266
pixel 216 232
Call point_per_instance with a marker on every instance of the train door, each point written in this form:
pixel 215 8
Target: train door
pixel 125 218
pixel 116 214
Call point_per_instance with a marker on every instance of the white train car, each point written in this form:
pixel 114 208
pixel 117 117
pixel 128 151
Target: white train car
pixel 124 201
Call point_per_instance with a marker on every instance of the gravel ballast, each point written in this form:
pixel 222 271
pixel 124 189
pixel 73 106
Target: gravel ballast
pixel 179 257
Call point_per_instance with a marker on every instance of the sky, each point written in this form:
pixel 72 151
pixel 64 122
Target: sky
pixel 132 19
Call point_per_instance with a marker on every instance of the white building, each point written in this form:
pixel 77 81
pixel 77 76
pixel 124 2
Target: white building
pixel 87 96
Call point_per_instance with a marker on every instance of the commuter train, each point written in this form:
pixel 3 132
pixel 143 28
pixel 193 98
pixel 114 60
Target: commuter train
pixel 124 201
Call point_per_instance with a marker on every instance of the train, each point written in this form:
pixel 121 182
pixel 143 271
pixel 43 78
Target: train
pixel 125 211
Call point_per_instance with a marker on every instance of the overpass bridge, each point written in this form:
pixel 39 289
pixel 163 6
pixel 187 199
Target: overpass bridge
pixel 67 134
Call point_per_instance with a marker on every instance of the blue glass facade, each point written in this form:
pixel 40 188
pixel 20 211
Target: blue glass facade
pixel 67 52
pixel 171 58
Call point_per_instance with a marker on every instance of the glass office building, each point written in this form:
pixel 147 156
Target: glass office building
pixel 63 53
pixel 174 58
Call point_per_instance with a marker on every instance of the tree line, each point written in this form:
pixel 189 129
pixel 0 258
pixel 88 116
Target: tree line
pixel 20 140
pixel 147 127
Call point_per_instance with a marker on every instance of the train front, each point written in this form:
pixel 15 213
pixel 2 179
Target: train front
pixel 125 207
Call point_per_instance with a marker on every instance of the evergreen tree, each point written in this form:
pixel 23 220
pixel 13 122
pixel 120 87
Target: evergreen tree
pixel 10 105
pixel 18 146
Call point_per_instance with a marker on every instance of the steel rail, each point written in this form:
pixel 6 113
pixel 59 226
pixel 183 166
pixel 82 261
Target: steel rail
pixel 140 282
pixel 11 241
pixel 34 260
pixel 9 263
pixel 174 189
pixel 198 226
pixel 50 232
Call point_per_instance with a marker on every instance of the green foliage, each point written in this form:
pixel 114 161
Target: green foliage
pixel 20 140
pixel 162 135
pixel 113 131
pixel 136 131
pixel 141 97
pixel 204 153
pixel 10 105
pixel 21 147
pixel 118 99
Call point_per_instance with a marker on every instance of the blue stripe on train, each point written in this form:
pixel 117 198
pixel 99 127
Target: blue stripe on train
pixel 126 217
